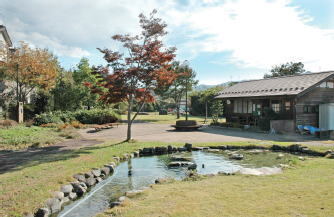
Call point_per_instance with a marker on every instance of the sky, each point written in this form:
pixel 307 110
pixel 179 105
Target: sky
pixel 223 40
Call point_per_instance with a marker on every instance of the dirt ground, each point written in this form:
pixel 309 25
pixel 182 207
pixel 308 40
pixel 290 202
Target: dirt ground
pixel 12 160
pixel 166 133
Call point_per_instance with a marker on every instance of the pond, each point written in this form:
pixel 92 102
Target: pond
pixel 145 170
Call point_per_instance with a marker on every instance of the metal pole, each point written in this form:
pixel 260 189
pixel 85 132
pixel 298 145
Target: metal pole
pixel 17 84
pixel 187 99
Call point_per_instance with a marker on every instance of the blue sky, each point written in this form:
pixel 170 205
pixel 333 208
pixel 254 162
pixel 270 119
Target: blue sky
pixel 223 40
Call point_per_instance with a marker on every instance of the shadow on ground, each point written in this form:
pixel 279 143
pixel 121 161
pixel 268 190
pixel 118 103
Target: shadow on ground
pixel 17 160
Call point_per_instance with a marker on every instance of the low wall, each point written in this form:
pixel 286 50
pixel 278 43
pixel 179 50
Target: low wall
pixel 283 126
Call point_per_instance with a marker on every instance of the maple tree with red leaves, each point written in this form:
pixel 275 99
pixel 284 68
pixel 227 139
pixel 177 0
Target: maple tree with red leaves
pixel 137 73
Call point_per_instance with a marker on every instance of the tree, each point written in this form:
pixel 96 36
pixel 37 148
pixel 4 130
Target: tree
pixel 31 68
pixel 81 75
pixel 184 82
pixel 286 69
pixel 205 99
pixel 217 110
pixel 137 73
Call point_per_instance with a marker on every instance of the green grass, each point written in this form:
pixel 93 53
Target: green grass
pixel 154 117
pixel 19 137
pixel 27 187
pixel 306 190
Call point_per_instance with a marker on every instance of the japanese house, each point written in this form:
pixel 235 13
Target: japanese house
pixel 294 100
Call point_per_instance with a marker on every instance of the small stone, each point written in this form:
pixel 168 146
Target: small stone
pixel 96 172
pixel 98 179
pixel 90 182
pixel 136 154
pixel 188 146
pixel 117 159
pixel 181 149
pixel 43 212
pixel 133 193
pixel 89 175
pixel 82 184
pixel 122 199
pixel 280 156
pixel 301 158
pixel 78 189
pixel 58 194
pixel 192 167
pixel 236 156
pixel 79 177
pixel 66 189
pixel 113 204
pixel 72 196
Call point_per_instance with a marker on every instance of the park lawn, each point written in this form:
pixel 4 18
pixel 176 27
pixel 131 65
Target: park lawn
pixel 19 137
pixel 27 187
pixel 306 190
pixel 154 117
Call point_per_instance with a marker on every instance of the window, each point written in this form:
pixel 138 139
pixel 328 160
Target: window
pixel 276 106
pixel 287 105
pixel 249 107
pixel 327 84
pixel 311 109
pixel 244 106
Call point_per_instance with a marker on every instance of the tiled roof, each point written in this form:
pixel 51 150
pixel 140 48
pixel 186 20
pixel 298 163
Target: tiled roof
pixel 287 85
pixel 5 35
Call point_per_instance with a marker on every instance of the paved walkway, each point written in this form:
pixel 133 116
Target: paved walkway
pixel 165 133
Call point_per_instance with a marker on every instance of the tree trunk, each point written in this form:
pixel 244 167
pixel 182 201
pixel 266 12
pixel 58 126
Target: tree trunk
pixel 206 111
pixel 177 111
pixel 128 135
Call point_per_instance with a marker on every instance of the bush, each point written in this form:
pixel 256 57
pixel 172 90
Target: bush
pixel 47 118
pixel 264 124
pixel 95 116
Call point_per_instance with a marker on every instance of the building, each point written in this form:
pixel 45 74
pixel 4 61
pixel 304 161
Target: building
pixel 293 100
pixel 5 44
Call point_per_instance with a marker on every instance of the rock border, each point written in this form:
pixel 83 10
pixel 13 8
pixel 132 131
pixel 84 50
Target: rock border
pixel 85 181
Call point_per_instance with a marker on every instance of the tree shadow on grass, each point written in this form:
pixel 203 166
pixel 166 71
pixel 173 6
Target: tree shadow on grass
pixel 18 160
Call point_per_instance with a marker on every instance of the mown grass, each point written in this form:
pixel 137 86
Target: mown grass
pixel 19 137
pixel 306 190
pixel 28 186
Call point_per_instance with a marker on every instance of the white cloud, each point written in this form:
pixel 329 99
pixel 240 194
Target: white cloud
pixel 260 33
pixel 255 34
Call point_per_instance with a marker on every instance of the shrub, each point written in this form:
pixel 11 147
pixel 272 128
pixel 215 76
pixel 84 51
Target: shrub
pixel 95 116
pixel 264 124
pixel 47 118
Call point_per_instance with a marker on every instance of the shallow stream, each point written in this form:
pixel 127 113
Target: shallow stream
pixel 145 170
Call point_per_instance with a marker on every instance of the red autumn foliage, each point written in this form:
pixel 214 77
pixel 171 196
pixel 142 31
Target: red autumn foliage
pixel 136 74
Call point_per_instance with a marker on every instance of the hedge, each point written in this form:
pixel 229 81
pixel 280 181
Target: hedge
pixel 94 116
